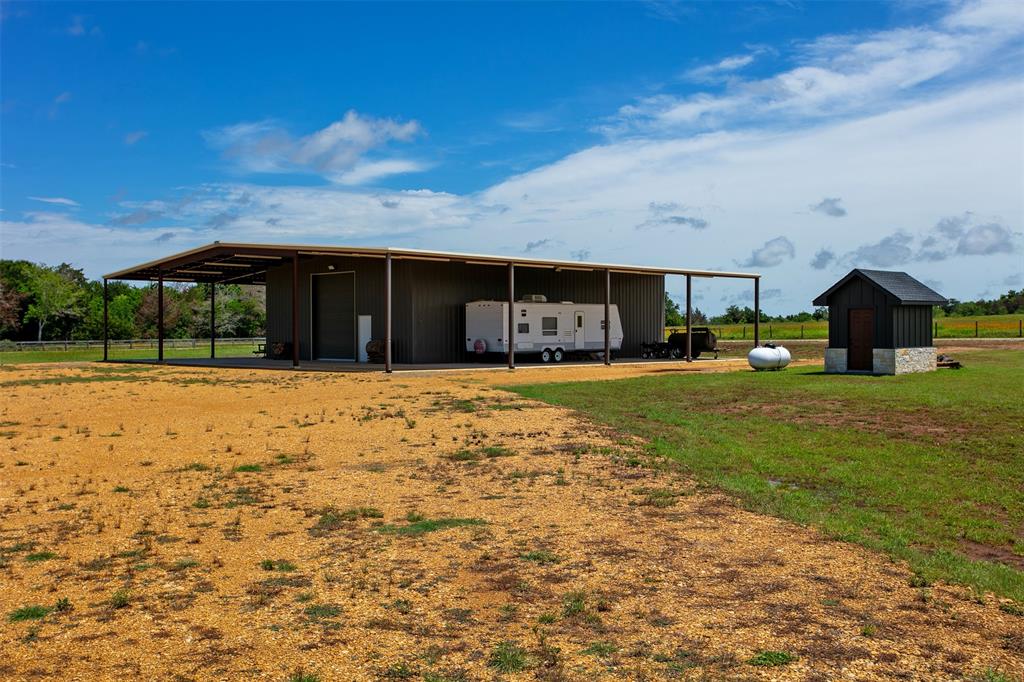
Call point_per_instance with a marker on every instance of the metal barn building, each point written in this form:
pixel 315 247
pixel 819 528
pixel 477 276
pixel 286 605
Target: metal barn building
pixel 879 322
pixel 325 303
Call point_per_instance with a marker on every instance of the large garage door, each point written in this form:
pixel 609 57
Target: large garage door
pixel 334 316
pixel 859 355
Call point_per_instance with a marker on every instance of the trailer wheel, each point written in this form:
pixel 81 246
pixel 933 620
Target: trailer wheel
pixel 559 355
pixel 545 355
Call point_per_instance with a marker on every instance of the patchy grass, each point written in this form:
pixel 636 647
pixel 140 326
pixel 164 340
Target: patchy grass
pixel 40 556
pixel 429 526
pixel 28 613
pixel 321 611
pixel 508 657
pixel 923 467
pixel 540 556
pixel 277 565
pixel 770 659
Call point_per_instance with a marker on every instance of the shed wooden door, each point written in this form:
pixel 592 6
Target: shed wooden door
pixel 334 316
pixel 860 346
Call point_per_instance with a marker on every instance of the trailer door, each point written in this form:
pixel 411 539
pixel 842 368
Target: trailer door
pixel 580 337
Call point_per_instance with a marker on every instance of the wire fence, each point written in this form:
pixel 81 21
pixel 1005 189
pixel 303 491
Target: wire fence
pixel 943 328
pixel 123 343
pixel 16 352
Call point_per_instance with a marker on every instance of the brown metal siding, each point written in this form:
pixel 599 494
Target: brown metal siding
pixel 429 301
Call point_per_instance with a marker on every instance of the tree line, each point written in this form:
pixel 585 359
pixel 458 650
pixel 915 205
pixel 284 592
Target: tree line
pixel 1009 303
pixel 43 303
pixel 676 317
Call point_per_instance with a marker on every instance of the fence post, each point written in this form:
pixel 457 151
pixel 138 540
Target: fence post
pixel 975 329
pixel 744 331
pixel 936 334
pixel 801 331
pixel 770 335
pixel 1020 328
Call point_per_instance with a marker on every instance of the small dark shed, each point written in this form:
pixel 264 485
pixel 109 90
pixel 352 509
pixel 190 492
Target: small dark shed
pixel 880 322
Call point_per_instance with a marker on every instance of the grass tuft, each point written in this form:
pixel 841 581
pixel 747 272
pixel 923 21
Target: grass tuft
pixel 508 657
pixel 28 613
pixel 770 659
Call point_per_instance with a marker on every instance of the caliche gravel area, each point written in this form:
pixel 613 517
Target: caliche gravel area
pixel 163 523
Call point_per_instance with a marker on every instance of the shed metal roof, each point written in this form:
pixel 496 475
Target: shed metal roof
pixel 247 263
pixel 900 285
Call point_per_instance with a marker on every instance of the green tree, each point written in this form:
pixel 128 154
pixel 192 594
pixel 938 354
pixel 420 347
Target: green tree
pixel 55 297
pixel 673 318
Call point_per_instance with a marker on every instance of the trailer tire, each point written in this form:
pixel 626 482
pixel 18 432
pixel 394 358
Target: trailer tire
pixel 558 355
pixel 545 355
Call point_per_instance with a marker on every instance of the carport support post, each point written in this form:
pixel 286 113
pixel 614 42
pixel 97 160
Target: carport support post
pixel 106 321
pixel 689 319
pixel 511 340
pixel 160 318
pixel 213 320
pixel 295 309
pixel 607 316
pixel 387 314
pixel 757 312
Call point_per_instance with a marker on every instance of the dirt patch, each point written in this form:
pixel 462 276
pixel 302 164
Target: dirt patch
pixel 161 526
pixel 983 552
pixel 916 426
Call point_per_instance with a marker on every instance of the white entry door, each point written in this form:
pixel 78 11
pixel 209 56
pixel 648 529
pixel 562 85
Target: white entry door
pixel 580 336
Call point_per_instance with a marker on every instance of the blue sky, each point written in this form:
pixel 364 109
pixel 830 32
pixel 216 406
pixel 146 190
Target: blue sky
pixel 796 140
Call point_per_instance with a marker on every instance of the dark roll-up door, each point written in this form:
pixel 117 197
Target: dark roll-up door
pixel 334 316
pixel 859 353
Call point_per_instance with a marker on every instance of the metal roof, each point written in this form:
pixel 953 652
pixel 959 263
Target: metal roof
pixel 899 285
pixel 247 263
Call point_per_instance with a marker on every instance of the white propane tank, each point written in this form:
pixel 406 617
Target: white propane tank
pixel 768 356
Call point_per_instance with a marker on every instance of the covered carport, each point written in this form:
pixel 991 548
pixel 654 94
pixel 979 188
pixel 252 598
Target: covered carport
pixel 415 307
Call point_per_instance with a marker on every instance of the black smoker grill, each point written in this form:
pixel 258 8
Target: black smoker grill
pixel 704 341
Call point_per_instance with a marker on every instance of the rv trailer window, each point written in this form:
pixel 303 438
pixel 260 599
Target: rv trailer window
pixel 549 326
pixel 579 321
pixel 524 328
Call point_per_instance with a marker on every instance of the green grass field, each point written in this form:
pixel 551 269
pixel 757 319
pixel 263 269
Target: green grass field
pixel 927 468
pixel 92 354
pixel 989 327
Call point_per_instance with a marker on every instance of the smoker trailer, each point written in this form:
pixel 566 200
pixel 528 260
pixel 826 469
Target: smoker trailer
pixel 704 341
pixel 554 331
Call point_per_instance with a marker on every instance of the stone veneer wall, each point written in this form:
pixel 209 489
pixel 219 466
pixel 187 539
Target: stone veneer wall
pixel 886 360
pixel 835 360
pixel 904 360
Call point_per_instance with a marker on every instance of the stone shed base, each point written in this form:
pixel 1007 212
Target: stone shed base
pixel 886 360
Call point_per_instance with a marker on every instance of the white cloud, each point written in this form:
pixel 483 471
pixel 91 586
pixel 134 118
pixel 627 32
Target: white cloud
pixel 725 67
pixel 60 201
pixel 774 252
pixel 133 137
pixel 830 206
pixel 839 74
pixel 80 26
pixel 982 240
pixel 368 171
pixel 265 146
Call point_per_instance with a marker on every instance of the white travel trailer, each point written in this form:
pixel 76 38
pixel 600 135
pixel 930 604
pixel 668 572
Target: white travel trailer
pixel 552 330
